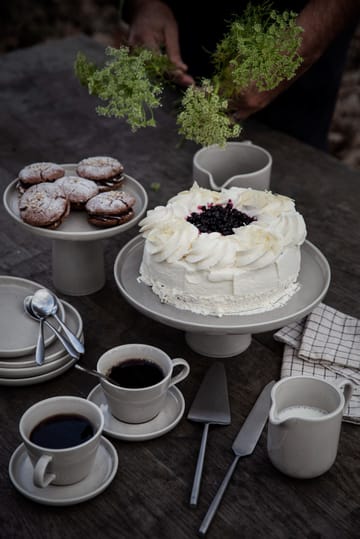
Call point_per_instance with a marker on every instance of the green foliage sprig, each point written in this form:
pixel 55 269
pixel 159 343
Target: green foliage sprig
pixel 260 48
pixel 130 83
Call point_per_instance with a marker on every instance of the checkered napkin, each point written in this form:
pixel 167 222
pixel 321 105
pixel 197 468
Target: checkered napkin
pixel 325 344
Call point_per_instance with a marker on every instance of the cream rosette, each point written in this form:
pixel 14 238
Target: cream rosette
pixel 191 199
pixel 273 212
pixel 256 247
pixel 170 240
pixel 212 251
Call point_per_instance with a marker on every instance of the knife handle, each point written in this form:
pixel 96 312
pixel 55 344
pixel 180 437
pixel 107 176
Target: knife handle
pixel 217 499
pixel 199 468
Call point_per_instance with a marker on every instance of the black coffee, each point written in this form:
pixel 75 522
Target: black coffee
pixel 136 373
pixel 62 431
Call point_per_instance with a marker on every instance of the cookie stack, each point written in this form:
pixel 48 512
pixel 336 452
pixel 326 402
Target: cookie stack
pixel 47 194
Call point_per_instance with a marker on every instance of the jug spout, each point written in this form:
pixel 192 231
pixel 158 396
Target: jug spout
pixel 275 417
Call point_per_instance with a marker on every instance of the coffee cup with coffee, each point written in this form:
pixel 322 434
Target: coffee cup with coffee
pixel 61 436
pixel 143 375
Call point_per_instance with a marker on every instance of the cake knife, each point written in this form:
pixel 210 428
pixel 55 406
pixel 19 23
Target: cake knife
pixel 244 444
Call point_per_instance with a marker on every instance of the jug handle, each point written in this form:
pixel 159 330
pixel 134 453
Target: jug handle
pixel 347 388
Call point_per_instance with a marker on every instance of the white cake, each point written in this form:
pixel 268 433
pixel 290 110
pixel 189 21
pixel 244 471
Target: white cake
pixel 245 258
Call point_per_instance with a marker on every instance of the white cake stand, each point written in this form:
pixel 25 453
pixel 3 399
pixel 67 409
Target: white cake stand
pixel 78 266
pixel 224 336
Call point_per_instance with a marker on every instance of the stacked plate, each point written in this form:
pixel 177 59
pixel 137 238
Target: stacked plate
pixel 18 336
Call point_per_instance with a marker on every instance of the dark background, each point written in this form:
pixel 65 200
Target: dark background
pixel 24 23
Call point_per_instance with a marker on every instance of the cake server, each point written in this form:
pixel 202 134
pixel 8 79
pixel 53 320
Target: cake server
pixel 211 407
pixel 244 444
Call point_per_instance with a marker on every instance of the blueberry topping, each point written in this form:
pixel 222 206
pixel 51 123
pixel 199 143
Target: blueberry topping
pixel 219 218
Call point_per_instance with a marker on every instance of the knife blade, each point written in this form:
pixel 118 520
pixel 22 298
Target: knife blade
pixel 211 407
pixel 243 445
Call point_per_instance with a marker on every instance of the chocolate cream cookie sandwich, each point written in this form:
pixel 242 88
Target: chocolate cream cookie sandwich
pixel 110 208
pixel 77 190
pixel 36 173
pixel 44 205
pixel 107 172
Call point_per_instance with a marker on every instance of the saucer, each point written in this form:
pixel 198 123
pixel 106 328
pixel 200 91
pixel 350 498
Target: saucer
pixel 165 421
pixel 18 332
pixel 103 472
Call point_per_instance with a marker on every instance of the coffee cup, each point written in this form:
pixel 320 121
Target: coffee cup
pixel 236 164
pixel 61 436
pixel 143 376
pixel 304 424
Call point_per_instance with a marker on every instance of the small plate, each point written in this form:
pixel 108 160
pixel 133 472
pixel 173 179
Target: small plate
pixel 32 380
pixel 103 472
pixel 18 332
pixel 19 367
pixel 165 421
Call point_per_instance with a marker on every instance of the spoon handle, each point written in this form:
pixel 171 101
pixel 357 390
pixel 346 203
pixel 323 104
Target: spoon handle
pixel 77 345
pixel 40 347
pixel 66 344
pixel 89 371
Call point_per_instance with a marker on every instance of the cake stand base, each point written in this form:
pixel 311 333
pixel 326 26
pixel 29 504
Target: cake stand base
pixel 78 266
pixel 219 346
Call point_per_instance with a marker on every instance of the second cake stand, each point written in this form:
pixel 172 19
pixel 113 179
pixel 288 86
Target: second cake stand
pixel 224 336
pixel 78 265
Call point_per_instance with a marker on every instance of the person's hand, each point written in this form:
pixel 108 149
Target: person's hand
pixel 153 25
pixel 253 100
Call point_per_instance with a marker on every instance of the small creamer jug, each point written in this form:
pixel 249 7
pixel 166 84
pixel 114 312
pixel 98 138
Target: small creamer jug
pixel 304 424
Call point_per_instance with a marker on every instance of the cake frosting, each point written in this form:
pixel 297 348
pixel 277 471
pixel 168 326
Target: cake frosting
pixel 234 251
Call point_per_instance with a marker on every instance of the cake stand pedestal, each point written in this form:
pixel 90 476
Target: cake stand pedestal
pixel 224 336
pixel 218 346
pixel 78 264
pixel 78 267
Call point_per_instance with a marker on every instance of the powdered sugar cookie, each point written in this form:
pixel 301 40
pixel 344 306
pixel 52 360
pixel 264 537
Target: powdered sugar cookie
pixel 38 173
pixel 111 208
pixel 77 190
pixel 44 205
pixel 107 172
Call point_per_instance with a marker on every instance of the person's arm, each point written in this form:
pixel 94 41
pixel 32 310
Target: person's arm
pixel 322 21
pixel 153 25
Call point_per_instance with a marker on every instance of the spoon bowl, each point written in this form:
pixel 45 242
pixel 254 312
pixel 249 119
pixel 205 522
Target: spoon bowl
pixel 44 304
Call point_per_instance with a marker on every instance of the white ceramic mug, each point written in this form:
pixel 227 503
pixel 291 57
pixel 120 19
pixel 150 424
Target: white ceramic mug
pixel 305 423
pixel 237 164
pixel 61 466
pixel 138 405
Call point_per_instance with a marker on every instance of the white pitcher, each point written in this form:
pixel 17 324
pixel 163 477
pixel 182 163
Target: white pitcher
pixel 237 164
pixel 304 424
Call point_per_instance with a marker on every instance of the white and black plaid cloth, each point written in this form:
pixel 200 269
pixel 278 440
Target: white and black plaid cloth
pixel 325 344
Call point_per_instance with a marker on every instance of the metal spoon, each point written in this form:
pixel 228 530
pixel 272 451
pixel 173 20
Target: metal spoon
pixel 42 320
pixel 40 345
pixel 44 303
pixel 95 373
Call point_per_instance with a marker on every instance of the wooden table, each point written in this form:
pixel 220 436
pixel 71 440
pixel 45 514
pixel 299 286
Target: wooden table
pixel 46 115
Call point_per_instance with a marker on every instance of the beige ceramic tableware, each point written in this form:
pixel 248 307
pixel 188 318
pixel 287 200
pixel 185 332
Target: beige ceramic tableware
pixel 237 164
pixel 138 405
pixel 61 466
pixel 304 424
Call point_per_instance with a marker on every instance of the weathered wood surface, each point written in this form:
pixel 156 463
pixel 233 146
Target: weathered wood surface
pixel 46 115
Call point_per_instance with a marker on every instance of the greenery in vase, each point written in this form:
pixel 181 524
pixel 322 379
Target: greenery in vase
pixel 260 47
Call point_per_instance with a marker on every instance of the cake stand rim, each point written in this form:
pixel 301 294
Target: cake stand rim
pixel 227 324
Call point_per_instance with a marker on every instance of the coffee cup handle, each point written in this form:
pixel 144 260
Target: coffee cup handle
pixel 41 478
pixel 183 373
pixel 347 388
